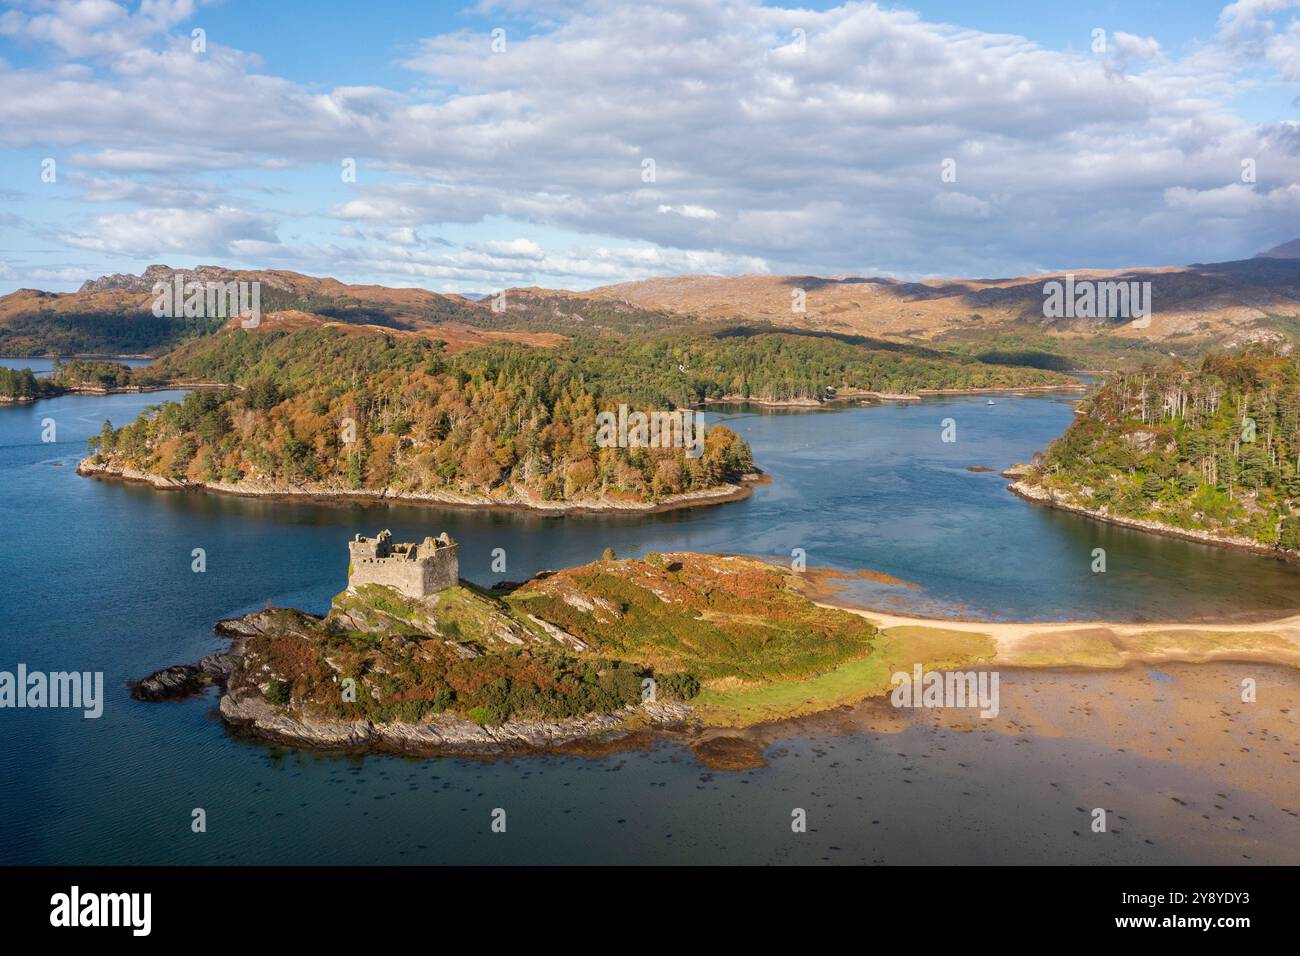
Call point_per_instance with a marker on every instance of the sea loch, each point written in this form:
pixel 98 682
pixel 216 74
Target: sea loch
pixel 103 582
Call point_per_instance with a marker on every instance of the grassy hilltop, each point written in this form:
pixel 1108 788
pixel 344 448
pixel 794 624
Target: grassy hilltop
pixel 582 641
pixel 570 643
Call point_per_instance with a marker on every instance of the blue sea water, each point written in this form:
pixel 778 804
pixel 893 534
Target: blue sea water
pixel 96 576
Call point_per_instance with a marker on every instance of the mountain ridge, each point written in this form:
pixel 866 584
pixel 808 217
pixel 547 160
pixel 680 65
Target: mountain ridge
pixel 1193 307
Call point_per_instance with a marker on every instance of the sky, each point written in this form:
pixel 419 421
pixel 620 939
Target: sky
pixel 468 148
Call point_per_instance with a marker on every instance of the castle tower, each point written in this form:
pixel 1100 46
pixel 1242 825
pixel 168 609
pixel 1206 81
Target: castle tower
pixel 416 570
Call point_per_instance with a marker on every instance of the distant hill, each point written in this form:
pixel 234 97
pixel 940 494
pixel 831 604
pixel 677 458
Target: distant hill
pixel 1201 301
pixel 108 321
pixel 1193 308
pixel 112 315
pixel 1288 250
pixel 578 313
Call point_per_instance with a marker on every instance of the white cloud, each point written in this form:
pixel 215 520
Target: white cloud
pixel 482 266
pixel 825 159
pixel 510 249
pixel 148 232
pixel 689 211
pixel 960 206
pixel 1245 20
pixel 95 27
pixel 1284 52
pixel 1234 200
pixel 1127 49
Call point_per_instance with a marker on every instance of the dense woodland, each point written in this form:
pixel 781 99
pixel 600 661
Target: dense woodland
pixel 490 419
pixel 21 384
pixel 657 370
pixel 373 411
pixel 1214 447
pixel 91 373
pixel 104 333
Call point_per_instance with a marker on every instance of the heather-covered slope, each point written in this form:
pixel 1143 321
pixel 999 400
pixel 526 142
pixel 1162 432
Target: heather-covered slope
pixel 561 655
pixel 113 314
pixel 1194 308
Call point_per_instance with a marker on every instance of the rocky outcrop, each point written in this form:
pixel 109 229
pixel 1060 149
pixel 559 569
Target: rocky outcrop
pixel 145 281
pixel 244 705
pixel 170 683
pixel 219 667
pixel 515 499
pixel 88 467
pixel 248 710
pixel 561 636
pixel 126 282
pixel 259 622
pixel 184 680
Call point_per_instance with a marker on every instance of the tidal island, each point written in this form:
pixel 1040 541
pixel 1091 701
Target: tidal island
pixel 410 657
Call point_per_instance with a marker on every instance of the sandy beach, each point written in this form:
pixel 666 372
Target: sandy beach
pixel 1114 644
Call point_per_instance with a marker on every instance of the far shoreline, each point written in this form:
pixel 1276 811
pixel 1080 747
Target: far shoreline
pixel 724 494
pixel 845 395
pixel 63 391
pixel 1036 495
pixel 921 393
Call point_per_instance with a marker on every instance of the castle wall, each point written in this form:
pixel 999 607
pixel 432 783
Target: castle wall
pixel 442 570
pixel 432 570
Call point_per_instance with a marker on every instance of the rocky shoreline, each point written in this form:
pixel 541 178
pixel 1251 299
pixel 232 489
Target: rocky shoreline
pixel 844 395
pixel 249 704
pixel 1043 496
pixel 449 499
pixel 246 710
pixel 58 391
pixel 136 389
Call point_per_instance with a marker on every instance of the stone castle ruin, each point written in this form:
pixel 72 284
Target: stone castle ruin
pixel 416 570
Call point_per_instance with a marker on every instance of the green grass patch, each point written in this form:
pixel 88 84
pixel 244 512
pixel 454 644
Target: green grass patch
pixel 896 649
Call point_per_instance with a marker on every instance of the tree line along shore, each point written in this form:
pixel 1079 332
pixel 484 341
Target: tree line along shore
pixel 1208 451
pixel 513 423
